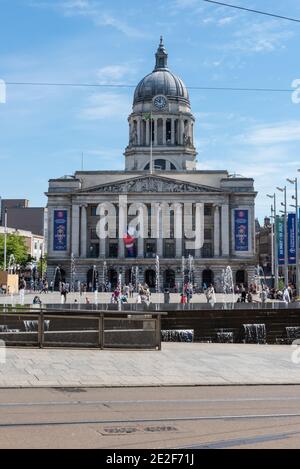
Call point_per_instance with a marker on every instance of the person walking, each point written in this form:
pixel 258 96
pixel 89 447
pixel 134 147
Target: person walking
pixel 63 292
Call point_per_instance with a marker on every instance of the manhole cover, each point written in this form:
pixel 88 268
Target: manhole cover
pixel 120 430
pixel 160 429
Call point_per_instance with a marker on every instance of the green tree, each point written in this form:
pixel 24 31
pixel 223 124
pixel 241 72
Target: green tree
pixel 16 245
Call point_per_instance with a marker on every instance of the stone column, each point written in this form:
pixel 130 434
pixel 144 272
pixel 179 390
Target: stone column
pixel 83 231
pixel 225 230
pixel 122 227
pixel 159 240
pixel 178 230
pixel 140 247
pixel 138 130
pixel 172 131
pixel 147 132
pixel 200 216
pixel 164 131
pixel 155 132
pixel 75 230
pixel 216 231
pixel 181 131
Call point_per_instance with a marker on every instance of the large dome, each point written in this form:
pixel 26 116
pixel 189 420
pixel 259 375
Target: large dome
pixel 161 81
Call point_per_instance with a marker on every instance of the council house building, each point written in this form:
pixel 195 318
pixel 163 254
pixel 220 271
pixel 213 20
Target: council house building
pixel 160 182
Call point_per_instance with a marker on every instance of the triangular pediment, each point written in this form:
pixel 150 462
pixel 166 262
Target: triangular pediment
pixel 149 183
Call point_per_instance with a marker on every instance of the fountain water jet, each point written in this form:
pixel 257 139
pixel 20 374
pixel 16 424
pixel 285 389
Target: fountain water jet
pixel 227 284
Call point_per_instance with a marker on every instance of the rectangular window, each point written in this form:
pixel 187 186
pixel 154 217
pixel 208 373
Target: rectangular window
pixel 207 210
pixel 207 251
pixel 113 250
pixel 93 210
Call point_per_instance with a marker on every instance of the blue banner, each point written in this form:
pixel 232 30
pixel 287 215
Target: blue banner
pixel 241 230
pixel 60 230
pixel 292 234
pixel 280 239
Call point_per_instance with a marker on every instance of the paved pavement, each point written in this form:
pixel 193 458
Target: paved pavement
pixel 55 298
pixel 176 364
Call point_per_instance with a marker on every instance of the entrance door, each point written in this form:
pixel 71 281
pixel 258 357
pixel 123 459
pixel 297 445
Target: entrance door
pixel 113 278
pixel 150 278
pixel 207 277
pixel 169 278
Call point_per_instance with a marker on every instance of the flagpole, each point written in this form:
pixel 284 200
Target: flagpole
pixel 151 149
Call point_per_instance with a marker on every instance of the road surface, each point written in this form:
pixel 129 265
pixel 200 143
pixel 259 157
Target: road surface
pixel 178 417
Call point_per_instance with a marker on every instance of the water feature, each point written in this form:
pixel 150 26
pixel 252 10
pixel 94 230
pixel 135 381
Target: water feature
pixel 292 333
pixel 177 335
pixel 157 275
pixel 191 269
pixel 227 284
pixel 22 296
pixel 32 326
pixel 57 276
pixel 225 337
pixel 255 333
pixel 104 275
pixel 183 272
pixel 73 273
pixel 94 279
pixel 12 267
pixel 259 278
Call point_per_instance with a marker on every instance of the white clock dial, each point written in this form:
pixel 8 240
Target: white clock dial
pixel 160 102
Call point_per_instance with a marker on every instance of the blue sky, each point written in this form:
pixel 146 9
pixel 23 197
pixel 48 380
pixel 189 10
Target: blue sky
pixel 44 130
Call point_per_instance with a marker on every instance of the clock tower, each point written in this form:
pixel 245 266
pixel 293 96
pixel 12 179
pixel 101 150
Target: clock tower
pixel 161 123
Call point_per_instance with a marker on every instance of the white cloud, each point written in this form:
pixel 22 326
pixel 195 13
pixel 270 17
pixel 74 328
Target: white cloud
pixel 114 73
pixel 93 11
pixel 105 106
pixel 270 134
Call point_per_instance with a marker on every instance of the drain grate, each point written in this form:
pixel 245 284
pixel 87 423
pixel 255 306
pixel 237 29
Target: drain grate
pixel 160 429
pixel 128 430
pixel 120 430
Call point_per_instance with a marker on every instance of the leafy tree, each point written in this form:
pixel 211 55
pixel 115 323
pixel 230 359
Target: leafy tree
pixel 15 245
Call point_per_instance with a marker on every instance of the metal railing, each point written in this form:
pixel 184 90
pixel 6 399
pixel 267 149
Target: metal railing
pixel 94 329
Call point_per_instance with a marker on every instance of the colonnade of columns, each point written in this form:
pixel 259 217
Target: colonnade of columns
pixel 220 233
pixel 180 130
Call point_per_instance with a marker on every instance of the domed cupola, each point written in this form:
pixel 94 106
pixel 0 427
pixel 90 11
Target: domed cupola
pixel 161 82
pixel 161 125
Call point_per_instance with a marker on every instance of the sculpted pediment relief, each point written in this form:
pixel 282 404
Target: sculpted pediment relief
pixel 150 184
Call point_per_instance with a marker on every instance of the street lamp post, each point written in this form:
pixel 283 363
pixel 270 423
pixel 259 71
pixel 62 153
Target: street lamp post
pixel 286 265
pixel 275 242
pixel 295 206
pixel 5 239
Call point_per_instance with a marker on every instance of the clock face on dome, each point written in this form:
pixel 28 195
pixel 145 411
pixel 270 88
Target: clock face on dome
pixel 160 102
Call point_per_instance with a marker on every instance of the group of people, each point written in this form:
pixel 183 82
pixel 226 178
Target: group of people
pixel 287 294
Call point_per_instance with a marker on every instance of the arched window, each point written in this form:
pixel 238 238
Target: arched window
pixel 161 165
pixel 92 279
pixel 150 278
pixel 241 277
pixel 207 277
pixel 169 278
pixel 113 278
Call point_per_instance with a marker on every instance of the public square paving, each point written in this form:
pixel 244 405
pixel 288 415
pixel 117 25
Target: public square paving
pixel 176 364
pixel 55 298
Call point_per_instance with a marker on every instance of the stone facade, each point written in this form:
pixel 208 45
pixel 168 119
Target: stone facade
pixel 160 174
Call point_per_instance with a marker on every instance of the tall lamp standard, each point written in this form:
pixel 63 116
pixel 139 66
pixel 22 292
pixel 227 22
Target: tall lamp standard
pixel 295 206
pixel 274 238
pixel 286 265
pixel 5 239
